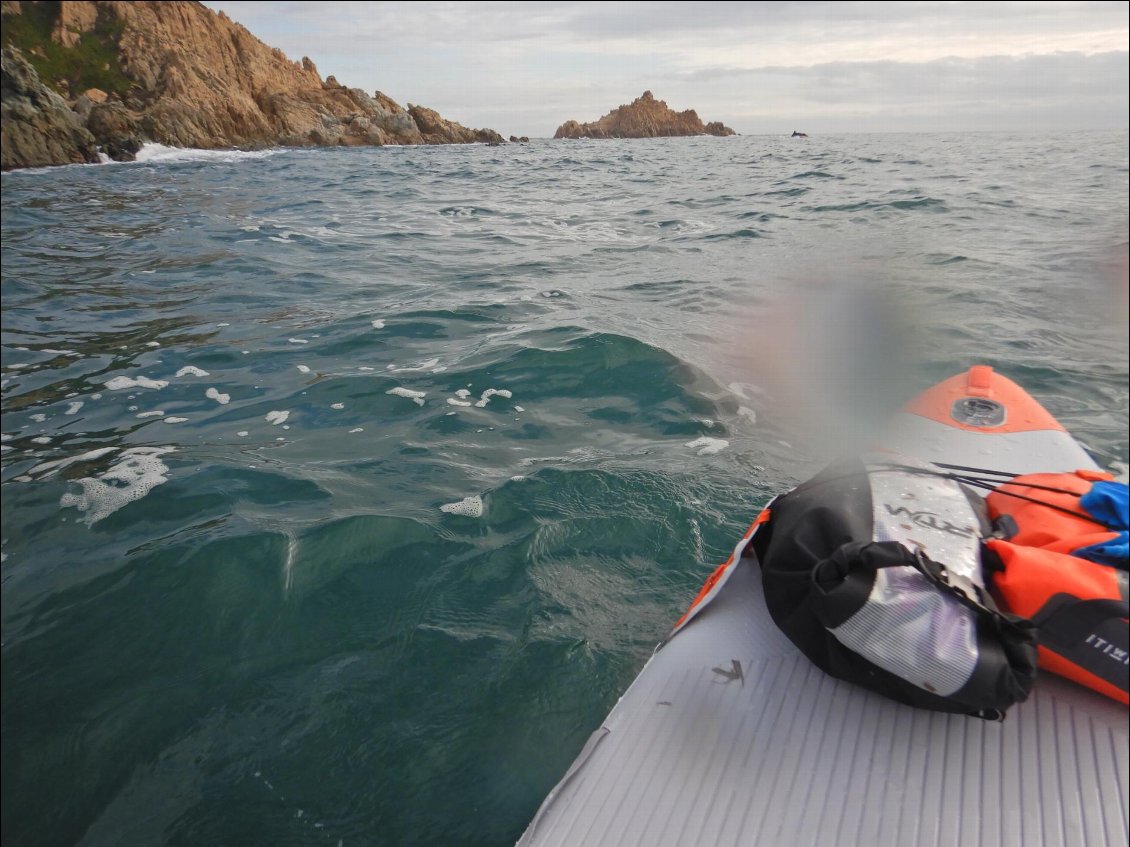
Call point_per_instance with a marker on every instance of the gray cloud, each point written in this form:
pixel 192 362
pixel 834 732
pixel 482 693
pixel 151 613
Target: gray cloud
pixel 761 67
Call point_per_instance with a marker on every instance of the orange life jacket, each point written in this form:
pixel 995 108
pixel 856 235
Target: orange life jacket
pixel 1079 606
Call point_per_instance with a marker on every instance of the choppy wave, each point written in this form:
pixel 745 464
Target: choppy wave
pixel 397 462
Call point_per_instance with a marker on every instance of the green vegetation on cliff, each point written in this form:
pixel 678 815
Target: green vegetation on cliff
pixel 91 63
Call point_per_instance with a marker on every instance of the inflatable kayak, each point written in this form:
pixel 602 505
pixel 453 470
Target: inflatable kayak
pixel 730 735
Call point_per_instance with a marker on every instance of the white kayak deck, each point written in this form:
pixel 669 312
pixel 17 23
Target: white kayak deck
pixel 730 736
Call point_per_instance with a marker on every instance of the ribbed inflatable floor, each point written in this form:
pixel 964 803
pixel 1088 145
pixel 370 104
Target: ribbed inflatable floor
pixel 731 737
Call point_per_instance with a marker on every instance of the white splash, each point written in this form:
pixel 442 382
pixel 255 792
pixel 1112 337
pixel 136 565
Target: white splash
pixel 191 370
pixel 152 343
pixel 242 433
pixel 39 417
pixel 357 429
pixel 708 446
pixel 303 369
pixel 746 411
pixel 72 408
pixel 162 154
pixel 214 394
pixel 298 341
pixel 120 383
pixel 492 392
pixel 378 324
pixel 277 417
pixel 416 397
pixel 471 507
pixel 137 472
pixel 337 405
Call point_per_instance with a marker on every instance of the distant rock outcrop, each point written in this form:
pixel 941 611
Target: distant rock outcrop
pixel 644 117
pixel 180 74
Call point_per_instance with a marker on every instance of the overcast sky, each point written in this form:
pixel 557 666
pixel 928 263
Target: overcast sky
pixel 524 68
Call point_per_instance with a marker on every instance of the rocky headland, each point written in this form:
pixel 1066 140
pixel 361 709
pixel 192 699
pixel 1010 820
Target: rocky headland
pixel 83 76
pixel 644 117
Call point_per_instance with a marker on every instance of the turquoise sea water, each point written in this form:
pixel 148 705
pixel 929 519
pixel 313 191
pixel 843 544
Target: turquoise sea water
pixel 239 391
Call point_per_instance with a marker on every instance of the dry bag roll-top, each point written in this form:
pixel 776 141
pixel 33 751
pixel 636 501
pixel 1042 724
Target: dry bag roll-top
pixel 872 568
pixel 1079 606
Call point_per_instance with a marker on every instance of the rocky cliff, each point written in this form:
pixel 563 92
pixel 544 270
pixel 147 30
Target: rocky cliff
pixel 644 117
pixel 177 73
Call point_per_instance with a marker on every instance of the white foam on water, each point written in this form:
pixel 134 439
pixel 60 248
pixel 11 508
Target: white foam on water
pixel 416 397
pixel 6 437
pixel 120 383
pixel 748 412
pixel 303 369
pixel 156 413
pixel 137 472
pixel 337 405
pixel 173 419
pixel 298 340
pixel 277 417
pixel 43 439
pixel 708 446
pixel 492 392
pixel 191 370
pixel 214 394
pixel 463 392
pixel 378 324
pixel 452 401
pixel 357 429
pixel 72 408
pixel 152 343
pixel 96 396
pixel 160 154
pixel 39 417
pixel 242 433
pixel 363 368
pixel 707 422
pixel 519 409
pixel 471 507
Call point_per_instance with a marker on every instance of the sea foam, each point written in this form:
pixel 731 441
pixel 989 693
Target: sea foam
pixel 137 472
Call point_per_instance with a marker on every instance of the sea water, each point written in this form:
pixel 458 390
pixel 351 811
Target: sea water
pixel 344 491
